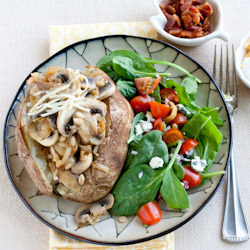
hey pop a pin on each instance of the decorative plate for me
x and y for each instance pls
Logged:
(58, 213)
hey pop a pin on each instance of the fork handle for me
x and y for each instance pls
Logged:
(235, 226)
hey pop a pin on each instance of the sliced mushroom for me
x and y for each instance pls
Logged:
(88, 126)
(172, 114)
(64, 120)
(89, 213)
(70, 162)
(63, 75)
(84, 163)
(94, 104)
(66, 148)
(52, 121)
(41, 132)
(70, 180)
(98, 138)
(107, 90)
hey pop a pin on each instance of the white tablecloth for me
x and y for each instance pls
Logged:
(24, 43)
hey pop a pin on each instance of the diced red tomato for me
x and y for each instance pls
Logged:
(158, 125)
(150, 213)
(140, 103)
(159, 110)
(170, 94)
(192, 177)
(146, 85)
(172, 135)
(187, 145)
(180, 120)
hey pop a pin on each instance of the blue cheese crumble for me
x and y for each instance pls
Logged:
(142, 127)
(182, 109)
(156, 162)
(198, 164)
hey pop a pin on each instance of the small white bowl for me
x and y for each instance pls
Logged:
(239, 55)
(217, 31)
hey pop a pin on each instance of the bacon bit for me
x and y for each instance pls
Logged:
(187, 18)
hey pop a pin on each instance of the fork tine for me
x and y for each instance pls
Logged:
(215, 60)
(234, 81)
(221, 70)
(227, 72)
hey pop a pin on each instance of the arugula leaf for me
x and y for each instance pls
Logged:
(127, 88)
(188, 102)
(156, 94)
(207, 134)
(132, 135)
(213, 112)
(131, 192)
(173, 192)
(149, 146)
(184, 98)
(191, 87)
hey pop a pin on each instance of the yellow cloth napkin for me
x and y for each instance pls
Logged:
(60, 37)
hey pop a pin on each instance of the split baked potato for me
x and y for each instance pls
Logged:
(72, 132)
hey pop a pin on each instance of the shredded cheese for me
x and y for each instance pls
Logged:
(69, 94)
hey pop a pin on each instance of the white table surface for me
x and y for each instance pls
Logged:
(24, 43)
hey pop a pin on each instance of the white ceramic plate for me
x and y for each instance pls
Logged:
(58, 213)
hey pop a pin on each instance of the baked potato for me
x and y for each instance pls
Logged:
(72, 132)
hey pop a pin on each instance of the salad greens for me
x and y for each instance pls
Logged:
(149, 146)
(156, 94)
(131, 192)
(178, 170)
(207, 134)
(186, 92)
(130, 65)
(132, 135)
(127, 88)
(140, 182)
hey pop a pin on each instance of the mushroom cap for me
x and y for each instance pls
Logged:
(41, 132)
(63, 119)
(89, 213)
(83, 164)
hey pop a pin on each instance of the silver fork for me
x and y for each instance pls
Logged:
(235, 227)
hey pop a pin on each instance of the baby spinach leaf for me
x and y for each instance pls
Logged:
(132, 135)
(178, 170)
(173, 192)
(127, 88)
(129, 68)
(106, 63)
(156, 94)
(207, 134)
(149, 146)
(136, 187)
(134, 66)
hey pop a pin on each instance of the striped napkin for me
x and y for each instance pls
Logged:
(60, 37)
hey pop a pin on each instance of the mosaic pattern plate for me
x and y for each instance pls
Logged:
(59, 213)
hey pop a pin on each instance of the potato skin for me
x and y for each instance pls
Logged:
(25, 156)
(112, 153)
